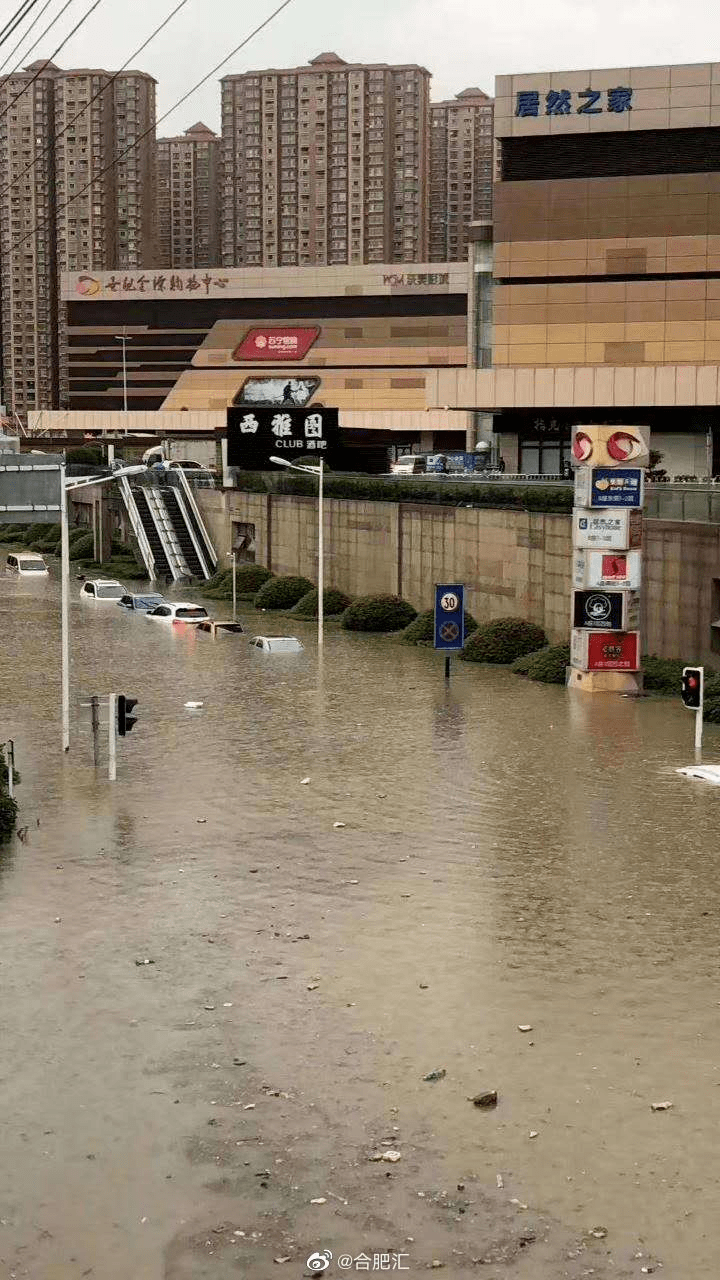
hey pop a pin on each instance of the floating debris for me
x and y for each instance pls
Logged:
(439, 1074)
(660, 1106)
(488, 1098)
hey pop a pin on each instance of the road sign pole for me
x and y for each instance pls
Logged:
(64, 613)
(95, 722)
(10, 762)
(698, 734)
(447, 666)
(112, 717)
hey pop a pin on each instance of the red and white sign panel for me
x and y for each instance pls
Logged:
(276, 344)
(605, 650)
(606, 569)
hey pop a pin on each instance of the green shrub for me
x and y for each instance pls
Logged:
(282, 593)
(546, 665)
(422, 630)
(378, 613)
(503, 640)
(85, 455)
(250, 578)
(79, 531)
(8, 816)
(82, 548)
(712, 686)
(334, 602)
(712, 710)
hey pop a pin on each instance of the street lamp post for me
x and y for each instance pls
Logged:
(123, 338)
(233, 555)
(67, 487)
(318, 471)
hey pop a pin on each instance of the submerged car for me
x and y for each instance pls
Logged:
(214, 626)
(26, 564)
(106, 590)
(177, 611)
(277, 644)
(141, 602)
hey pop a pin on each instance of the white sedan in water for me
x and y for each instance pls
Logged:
(106, 590)
(177, 611)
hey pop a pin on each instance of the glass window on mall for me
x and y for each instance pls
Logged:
(544, 457)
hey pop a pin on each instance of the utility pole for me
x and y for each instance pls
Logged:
(95, 721)
(112, 717)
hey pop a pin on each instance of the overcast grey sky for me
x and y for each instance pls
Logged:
(460, 42)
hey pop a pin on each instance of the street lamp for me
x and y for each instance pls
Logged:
(314, 471)
(67, 487)
(233, 555)
(121, 337)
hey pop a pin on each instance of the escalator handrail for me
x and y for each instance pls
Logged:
(195, 511)
(138, 528)
(180, 500)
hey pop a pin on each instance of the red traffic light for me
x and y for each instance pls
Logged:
(691, 690)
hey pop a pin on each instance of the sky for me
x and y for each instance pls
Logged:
(461, 43)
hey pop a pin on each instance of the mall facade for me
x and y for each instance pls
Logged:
(606, 266)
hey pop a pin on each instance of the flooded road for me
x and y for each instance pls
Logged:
(511, 856)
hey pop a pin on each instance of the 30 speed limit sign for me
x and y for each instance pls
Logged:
(449, 602)
(449, 617)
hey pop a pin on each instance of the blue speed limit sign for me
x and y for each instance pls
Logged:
(449, 616)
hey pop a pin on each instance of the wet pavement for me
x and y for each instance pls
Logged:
(511, 856)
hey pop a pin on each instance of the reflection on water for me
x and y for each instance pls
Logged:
(532, 852)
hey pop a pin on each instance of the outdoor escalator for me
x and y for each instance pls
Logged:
(180, 523)
(162, 564)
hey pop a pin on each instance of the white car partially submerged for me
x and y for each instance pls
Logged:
(103, 590)
(178, 611)
(277, 644)
(26, 564)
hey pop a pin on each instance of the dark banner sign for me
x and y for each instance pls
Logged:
(255, 435)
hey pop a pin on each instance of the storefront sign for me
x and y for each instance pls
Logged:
(605, 650)
(607, 610)
(609, 487)
(606, 569)
(278, 344)
(409, 280)
(566, 102)
(616, 531)
(610, 446)
(255, 435)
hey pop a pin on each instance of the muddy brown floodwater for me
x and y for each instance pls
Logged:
(511, 856)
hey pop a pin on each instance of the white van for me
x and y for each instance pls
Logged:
(26, 564)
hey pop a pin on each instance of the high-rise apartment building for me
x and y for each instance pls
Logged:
(188, 199)
(325, 163)
(69, 200)
(461, 151)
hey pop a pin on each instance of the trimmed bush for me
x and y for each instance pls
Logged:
(422, 630)
(250, 578)
(378, 613)
(712, 710)
(712, 686)
(503, 640)
(85, 455)
(79, 531)
(282, 593)
(8, 807)
(334, 602)
(82, 548)
(546, 665)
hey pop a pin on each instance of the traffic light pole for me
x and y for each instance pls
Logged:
(112, 718)
(698, 734)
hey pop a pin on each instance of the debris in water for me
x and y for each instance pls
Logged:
(439, 1074)
(201, 820)
(304, 782)
(533, 1133)
(313, 986)
(249, 1106)
(599, 1233)
(660, 1106)
(423, 986)
(524, 1026)
(319, 1200)
(209, 1007)
(519, 1203)
(499, 1181)
(486, 1099)
(390, 1157)
(140, 963)
(338, 825)
(193, 706)
(281, 1260)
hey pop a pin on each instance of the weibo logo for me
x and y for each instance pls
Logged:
(88, 287)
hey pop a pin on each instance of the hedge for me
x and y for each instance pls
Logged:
(503, 640)
(334, 602)
(712, 710)
(437, 492)
(422, 630)
(282, 593)
(8, 806)
(249, 579)
(82, 548)
(546, 665)
(378, 613)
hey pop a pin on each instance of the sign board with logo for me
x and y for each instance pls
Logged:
(610, 446)
(616, 569)
(611, 531)
(605, 650)
(255, 435)
(607, 610)
(277, 344)
(449, 617)
(609, 487)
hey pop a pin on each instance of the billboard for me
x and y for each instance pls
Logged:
(606, 569)
(610, 531)
(605, 650)
(604, 446)
(255, 435)
(607, 487)
(607, 610)
(277, 343)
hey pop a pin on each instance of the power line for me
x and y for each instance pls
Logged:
(14, 22)
(25, 35)
(54, 54)
(121, 155)
(103, 89)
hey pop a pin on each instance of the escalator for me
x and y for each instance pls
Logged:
(169, 529)
(183, 530)
(161, 562)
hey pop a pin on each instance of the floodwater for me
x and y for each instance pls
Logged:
(511, 855)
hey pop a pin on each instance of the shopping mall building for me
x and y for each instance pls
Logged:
(606, 272)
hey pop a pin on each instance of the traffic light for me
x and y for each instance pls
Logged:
(125, 721)
(692, 687)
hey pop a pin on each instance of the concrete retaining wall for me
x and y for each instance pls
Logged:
(512, 562)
